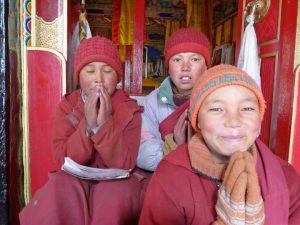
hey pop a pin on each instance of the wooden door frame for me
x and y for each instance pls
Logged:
(282, 114)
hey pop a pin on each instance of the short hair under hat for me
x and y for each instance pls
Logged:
(187, 40)
(217, 77)
(97, 49)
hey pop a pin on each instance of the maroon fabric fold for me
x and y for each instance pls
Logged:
(175, 176)
(68, 200)
(273, 185)
(167, 125)
(116, 142)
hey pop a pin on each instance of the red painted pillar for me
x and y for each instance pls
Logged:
(46, 68)
(294, 157)
(138, 45)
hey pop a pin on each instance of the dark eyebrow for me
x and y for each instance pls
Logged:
(250, 99)
(213, 101)
(90, 64)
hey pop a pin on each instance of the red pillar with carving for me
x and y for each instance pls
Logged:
(46, 75)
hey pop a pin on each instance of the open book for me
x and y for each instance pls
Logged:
(91, 173)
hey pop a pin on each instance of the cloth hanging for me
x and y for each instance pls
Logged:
(76, 39)
(196, 15)
(126, 22)
(122, 25)
(248, 58)
(84, 28)
(117, 6)
(171, 27)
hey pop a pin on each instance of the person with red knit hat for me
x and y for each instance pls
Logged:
(164, 120)
(96, 126)
(224, 175)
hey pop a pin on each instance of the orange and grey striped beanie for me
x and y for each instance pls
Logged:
(217, 77)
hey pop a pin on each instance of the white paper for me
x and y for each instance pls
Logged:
(91, 173)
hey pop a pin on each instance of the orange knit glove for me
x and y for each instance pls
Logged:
(239, 199)
(231, 195)
(255, 213)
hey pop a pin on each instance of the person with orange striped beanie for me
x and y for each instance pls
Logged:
(224, 175)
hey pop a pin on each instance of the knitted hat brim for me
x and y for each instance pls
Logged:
(188, 47)
(198, 98)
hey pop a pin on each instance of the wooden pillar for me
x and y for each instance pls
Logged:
(4, 81)
(294, 152)
(138, 45)
(45, 73)
(126, 80)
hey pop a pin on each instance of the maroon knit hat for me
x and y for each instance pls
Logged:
(97, 49)
(187, 40)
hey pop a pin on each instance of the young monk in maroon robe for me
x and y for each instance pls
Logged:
(96, 126)
(224, 175)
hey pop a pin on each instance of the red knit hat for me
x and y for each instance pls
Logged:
(217, 77)
(187, 40)
(97, 49)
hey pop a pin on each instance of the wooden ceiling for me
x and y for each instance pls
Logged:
(99, 15)
(156, 9)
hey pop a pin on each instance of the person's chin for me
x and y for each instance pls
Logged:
(185, 88)
(185, 83)
(232, 148)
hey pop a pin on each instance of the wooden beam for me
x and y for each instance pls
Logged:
(138, 45)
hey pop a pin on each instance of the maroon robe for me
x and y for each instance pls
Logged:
(115, 145)
(66, 199)
(167, 125)
(177, 195)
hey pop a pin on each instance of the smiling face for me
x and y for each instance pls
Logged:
(185, 69)
(229, 120)
(95, 73)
